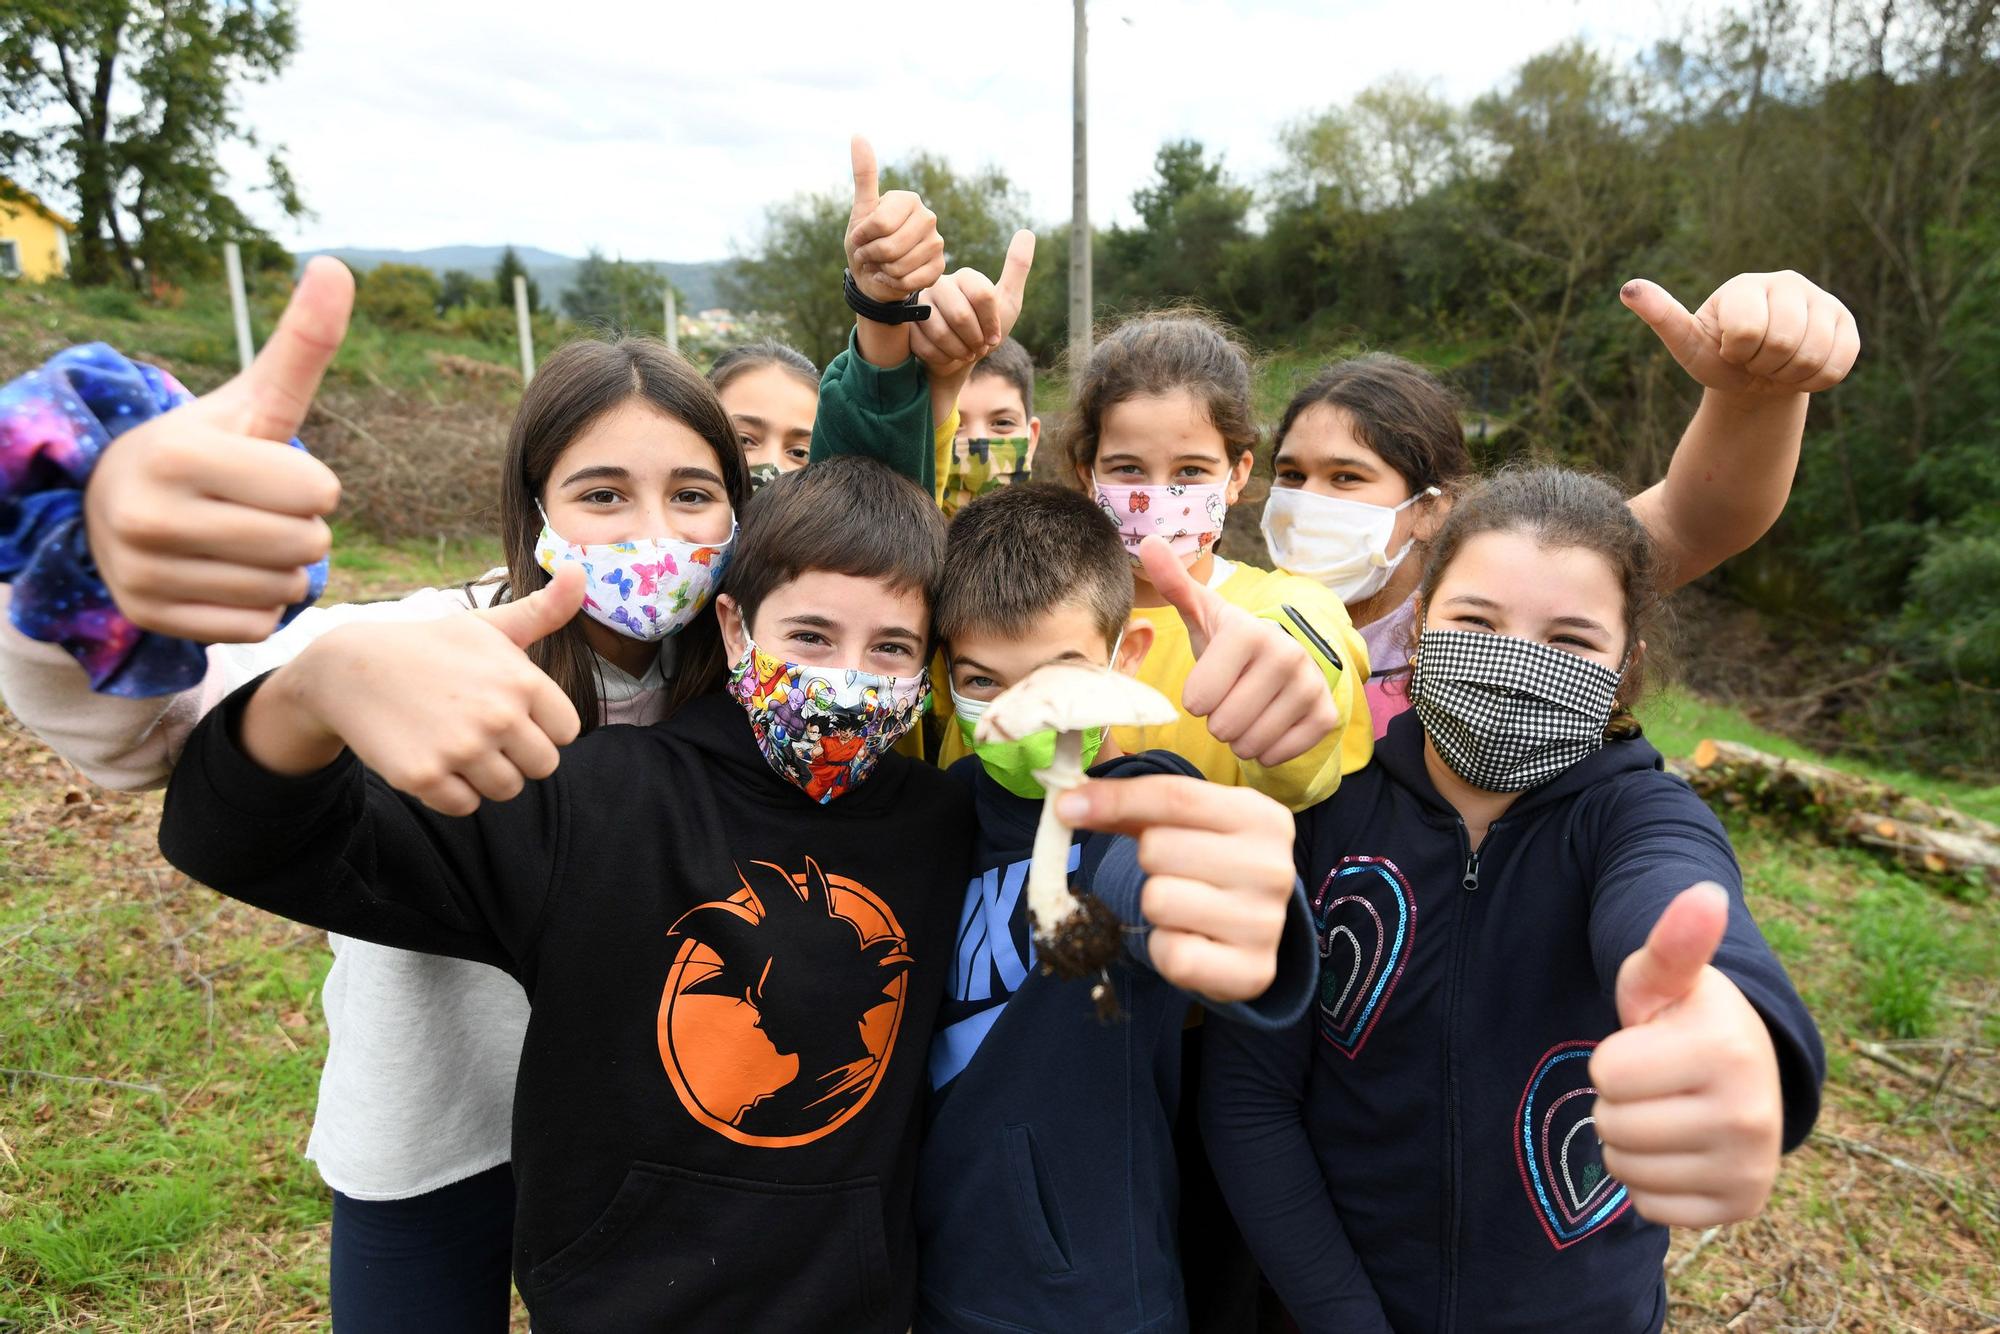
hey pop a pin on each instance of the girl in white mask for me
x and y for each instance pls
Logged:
(1369, 453)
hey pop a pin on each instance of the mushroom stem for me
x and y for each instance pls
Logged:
(1049, 899)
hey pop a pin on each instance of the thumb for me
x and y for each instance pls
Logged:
(1171, 580)
(1665, 969)
(867, 187)
(1669, 320)
(1014, 273)
(276, 389)
(543, 612)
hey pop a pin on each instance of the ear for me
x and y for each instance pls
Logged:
(1034, 435)
(1431, 513)
(1138, 642)
(1632, 672)
(1239, 476)
(735, 634)
(1086, 479)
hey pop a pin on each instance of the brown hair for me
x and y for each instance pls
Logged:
(742, 360)
(576, 386)
(1399, 409)
(1560, 507)
(845, 515)
(1011, 362)
(1180, 349)
(1015, 554)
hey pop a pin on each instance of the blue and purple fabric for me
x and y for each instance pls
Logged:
(55, 422)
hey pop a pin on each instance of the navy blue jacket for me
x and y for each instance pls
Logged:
(1417, 1152)
(1047, 1192)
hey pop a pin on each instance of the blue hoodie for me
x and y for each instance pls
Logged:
(1416, 1153)
(1047, 1192)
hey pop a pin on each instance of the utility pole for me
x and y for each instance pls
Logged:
(1079, 218)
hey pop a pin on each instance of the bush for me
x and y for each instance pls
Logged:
(398, 296)
(115, 302)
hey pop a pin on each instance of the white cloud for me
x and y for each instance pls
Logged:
(661, 130)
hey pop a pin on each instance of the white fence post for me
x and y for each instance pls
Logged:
(527, 330)
(673, 322)
(232, 264)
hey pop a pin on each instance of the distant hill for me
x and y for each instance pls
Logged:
(552, 273)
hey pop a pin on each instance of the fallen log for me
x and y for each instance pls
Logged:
(1842, 807)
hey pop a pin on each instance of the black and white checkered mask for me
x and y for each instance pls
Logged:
(1509, 714)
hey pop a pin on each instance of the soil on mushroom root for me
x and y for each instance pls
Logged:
(1082, 944)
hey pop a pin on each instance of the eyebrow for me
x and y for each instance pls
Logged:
(810, 621)
(603, 470)
(1581, 623)
(745, 419)
(1472, 600)
(1195, 457)
(898, 632)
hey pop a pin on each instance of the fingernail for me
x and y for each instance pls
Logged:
(1072, 807)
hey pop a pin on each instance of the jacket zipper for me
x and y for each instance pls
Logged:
(1448, 1293)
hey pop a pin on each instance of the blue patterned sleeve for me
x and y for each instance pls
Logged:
(55, 423)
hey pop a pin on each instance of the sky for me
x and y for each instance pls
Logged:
(661, 130)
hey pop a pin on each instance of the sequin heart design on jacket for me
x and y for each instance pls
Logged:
(1557, 1149)
(1365, 915)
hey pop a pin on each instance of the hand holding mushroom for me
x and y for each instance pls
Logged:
(1261, 694)
(1074, 937)
(1219, 876)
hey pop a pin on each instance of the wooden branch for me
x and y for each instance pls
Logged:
(15, 1072)
(1932, 1080)
(1948, 1188)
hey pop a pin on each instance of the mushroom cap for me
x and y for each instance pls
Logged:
(1070, 697)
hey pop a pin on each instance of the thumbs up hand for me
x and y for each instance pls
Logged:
(1689, 1105)
(1260, 691)
(971, 314)
(893, 245)
(204, 520)
(1759, 333)
(451, 711)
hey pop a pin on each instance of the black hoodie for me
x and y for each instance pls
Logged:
(1416, 1153)
(733, 989)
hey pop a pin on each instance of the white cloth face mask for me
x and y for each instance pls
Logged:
(1343, 544)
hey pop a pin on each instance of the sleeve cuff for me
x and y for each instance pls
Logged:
(247, 788)
(878, 389)
(1291, 991)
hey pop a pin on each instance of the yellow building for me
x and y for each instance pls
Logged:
(34, 243)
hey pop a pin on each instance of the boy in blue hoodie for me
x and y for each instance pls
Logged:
(1047, 1189)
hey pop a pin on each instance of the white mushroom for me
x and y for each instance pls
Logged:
(1075, 937)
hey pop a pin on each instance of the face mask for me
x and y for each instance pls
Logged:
(761, 474)
(1188, 516)
(1343, 544)
(980, 464)
(644, 590)
(1014, 764)
(823, 728)
(1509, 714)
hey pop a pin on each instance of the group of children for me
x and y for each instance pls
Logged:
(730, 1016)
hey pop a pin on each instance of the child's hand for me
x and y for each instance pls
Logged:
(1262, 694)
(450, 711)
(1760, 333)
(1219, 875)
(971, 314)
(893, 246)
(1689, 1105)
(203, 521)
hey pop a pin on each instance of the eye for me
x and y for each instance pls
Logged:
(693, 495)
(1469, 618)
(1572, 641)
(1288, 476)
(1003, 425)
(811, 637)
(603, 495)
(799, 453)
(747, 440)
(975, 681)
(1344, 478)
(1193, 470)
(895, 648)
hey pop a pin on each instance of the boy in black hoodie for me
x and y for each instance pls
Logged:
(733, 982)
(1047, 1191)
(1546, 1023)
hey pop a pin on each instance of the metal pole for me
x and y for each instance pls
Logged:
(527, 331)
(1079, 218)
(232, 264)
(673, 322)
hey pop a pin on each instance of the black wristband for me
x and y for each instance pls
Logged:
(906, 311)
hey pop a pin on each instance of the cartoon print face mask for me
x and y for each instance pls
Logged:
(1509, 714)
(822, 729)
(644, 590)
(1188, 516)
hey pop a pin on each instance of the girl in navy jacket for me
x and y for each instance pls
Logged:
(1546, 1024)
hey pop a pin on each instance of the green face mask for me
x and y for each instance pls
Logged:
(1013, 764)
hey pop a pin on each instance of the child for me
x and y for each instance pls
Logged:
(1047, 1189)
(1369, 453)
(714, 1126)
(771, 393)
(998, 430)
(1532, 1036)
(411, 1127)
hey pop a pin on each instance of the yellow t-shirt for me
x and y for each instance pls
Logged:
(941, 443)
(1310, 614)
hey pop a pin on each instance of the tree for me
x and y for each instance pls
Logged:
(398, 296)
(504, 273)
(459, 288)
(1193, 218)
(147, 182)
(792, 269)
(617, 294)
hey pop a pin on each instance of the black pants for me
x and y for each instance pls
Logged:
(440, 1263)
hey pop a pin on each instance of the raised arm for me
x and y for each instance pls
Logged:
(1758, 347)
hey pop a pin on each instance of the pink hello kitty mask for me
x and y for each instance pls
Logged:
(1188, 516)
